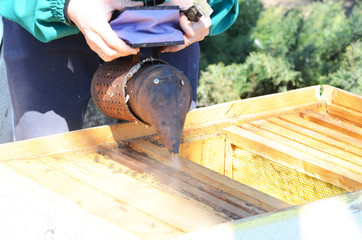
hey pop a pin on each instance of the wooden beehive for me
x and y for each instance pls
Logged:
(238, 159)
(297, 146)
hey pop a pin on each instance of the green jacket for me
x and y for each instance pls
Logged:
(45, 18)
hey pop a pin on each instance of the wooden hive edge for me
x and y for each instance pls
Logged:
(255, 105)
(333, 95)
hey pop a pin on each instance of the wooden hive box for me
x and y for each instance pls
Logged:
(238, 160)
(297, 146)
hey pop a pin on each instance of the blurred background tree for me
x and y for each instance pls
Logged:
(277, 49)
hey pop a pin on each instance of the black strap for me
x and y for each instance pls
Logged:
(65, 11)
(192, 14)
(154, 2)
(1, 37)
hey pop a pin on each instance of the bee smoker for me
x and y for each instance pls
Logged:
(150, 91)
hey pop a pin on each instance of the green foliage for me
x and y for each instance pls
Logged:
(276, 31)
(266, 74)
(278, 49)
(356, 21)
(349, 75)
(259, 74)
(324, 35)
(217, 84)
(235, 44)
(326, 28)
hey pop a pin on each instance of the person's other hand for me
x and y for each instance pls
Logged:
(193, 32)
(92, 18)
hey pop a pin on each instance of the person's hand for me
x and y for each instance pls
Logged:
(193, 31)
(92, 18)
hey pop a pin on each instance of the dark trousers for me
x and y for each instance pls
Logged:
(49, 83)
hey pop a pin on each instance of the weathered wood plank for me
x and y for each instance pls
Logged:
(320, 147)
(249, 195)
(228, 158)
(222, 112)
(94, 201)
(348, 115)
(162, 205)
(333, 123)
(33, 212)
(181, 182)
(323, 130)
(332, 142)
(86, 139)
(208, 152)
(295, 159)
(343, 98)
(194, 133)
(327, 159)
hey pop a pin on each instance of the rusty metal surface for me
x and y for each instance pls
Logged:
(108, 89)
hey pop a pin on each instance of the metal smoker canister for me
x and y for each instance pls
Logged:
(150, 91)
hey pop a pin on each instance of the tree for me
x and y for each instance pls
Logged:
(277, 49)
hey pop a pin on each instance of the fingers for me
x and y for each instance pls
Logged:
(105, 41)
(194, 29)
(193, 32)
(93, 23)
(111, 46)
(176, 48)
(108, 47)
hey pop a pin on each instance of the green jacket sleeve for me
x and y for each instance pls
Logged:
(42, 18)
(224, 15)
